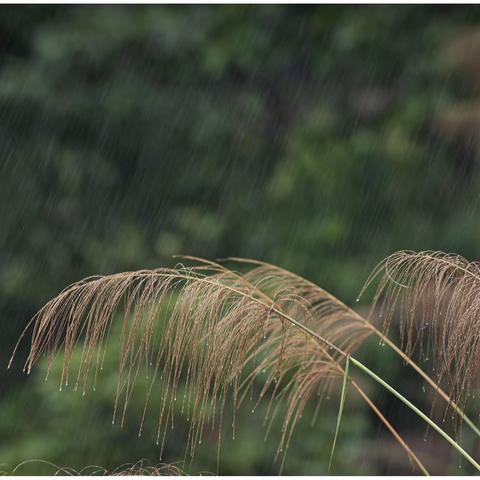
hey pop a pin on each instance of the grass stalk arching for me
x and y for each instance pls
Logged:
(416, 410)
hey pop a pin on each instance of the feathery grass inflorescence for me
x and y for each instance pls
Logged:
(218, 335)
(339, 323)
(357, 324)
(140, 468)
(437, 299)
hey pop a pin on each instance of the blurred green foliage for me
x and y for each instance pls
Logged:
(319, 138)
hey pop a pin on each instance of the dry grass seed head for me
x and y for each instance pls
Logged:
(437, 299)
(223, 332)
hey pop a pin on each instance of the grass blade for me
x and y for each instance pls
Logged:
(340, 408)
(417, 411)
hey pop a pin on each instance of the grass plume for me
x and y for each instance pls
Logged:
(140, 468)
(222, 332)
(360, 327)
(437, 298)
(219, 337)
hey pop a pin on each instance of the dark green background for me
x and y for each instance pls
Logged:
(319, 138)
